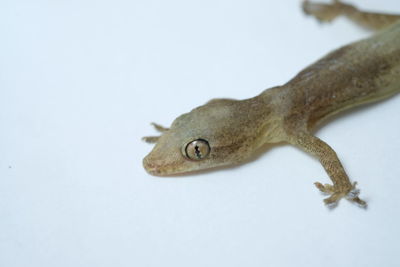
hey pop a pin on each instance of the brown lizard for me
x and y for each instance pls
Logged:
(226, 131)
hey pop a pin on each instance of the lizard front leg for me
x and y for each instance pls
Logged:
(342, 187)
(328, 12)
(154, 139)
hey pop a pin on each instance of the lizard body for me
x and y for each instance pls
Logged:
(226, 131)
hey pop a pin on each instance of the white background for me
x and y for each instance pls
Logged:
(80, 81)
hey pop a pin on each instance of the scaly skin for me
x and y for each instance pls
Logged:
(361, 72)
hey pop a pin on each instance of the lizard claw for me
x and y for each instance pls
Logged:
(353, 196)
(151, 139)
(323, 12)
(159, 128)
(154, 139)
(337, 194)
(326, 189)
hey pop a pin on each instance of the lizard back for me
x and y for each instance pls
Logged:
(362, 72)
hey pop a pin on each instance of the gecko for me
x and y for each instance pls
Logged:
(225, 132)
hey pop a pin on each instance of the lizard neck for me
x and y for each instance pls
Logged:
(272, 100)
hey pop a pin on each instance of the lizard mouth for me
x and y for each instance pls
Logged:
(159, 167)
(170, 165)
(151, 168)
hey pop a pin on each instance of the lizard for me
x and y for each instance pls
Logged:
(226, 132)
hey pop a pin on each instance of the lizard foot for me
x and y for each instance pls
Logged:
(154, 139)
(325, 12)
(151, 139)
(159, 128)
(336, 194)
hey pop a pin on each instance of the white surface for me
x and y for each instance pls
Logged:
(81, 80)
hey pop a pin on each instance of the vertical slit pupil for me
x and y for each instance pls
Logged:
(197, 151)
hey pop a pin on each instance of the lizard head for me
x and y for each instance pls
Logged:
(221, 132)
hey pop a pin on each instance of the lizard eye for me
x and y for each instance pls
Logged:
(197, 149)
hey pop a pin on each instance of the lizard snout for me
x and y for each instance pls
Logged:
(150, 166)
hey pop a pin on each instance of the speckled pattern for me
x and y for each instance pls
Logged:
(361, 72)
